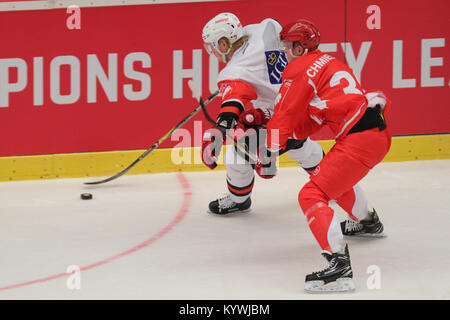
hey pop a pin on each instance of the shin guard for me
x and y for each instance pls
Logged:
(322, 220)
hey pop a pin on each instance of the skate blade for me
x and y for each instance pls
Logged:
(342, 285)
(232, 213)
(367, 236)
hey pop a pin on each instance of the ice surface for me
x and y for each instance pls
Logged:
(147, 237)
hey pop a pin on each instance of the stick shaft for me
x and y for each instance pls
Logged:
(239, 146)
(156, 145)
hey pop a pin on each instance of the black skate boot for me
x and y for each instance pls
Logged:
(225, 205)
(369, 227)
(337, 277)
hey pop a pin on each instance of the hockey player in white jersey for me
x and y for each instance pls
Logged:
(248, 84)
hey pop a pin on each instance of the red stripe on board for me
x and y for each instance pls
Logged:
(181, 214)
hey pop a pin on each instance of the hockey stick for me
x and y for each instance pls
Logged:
(156, 145)
(238, 145)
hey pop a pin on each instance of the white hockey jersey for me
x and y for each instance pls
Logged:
(259, 63)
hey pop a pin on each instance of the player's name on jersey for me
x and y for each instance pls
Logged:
(318, 64)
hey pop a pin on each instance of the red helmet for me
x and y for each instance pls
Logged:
(302, 31)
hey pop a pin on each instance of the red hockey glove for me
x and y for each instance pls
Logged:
(213, 140)
(254, 117)
(267, 167)
(266, 171)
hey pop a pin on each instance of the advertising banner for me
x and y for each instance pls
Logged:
(115, 78)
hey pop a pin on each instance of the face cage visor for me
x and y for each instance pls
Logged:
(209, 48)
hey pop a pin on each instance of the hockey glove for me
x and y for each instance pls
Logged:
(227, 120)
(267, 167)
(254, 118)
(213, 140)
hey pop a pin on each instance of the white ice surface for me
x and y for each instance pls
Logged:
(264, 254)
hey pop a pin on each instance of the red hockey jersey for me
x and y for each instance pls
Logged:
(317, 90)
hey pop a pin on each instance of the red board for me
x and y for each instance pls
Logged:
(47, 106)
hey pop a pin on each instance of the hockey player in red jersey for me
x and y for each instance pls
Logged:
(248, 84)
(319, 90)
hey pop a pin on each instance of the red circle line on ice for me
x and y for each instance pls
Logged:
(187, 195)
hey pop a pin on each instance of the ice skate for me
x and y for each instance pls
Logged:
(369, 227)
(225, 205)
(337, 277)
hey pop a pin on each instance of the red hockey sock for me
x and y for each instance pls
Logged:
(321, 218)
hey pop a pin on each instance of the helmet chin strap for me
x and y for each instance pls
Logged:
(224, 54)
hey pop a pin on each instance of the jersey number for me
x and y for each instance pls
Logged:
(351, 88)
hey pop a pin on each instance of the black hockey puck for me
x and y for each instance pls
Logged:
(86, 196)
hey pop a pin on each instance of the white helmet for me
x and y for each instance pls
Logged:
(223, 25)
